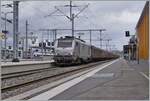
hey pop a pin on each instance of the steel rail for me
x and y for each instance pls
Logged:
(87, 66)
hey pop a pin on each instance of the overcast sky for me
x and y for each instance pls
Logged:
(115, 16)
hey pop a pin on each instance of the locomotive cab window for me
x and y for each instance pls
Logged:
(64, 43)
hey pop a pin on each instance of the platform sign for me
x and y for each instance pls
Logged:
(2, 36)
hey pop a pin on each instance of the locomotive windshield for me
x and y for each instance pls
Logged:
(64, 43)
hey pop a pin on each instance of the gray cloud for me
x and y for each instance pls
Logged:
(115, 16)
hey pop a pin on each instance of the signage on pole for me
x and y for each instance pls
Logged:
(2, 36)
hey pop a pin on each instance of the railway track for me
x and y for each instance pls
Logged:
(12, 90)
(13, 75)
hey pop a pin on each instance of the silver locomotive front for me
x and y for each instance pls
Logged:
(64, 50)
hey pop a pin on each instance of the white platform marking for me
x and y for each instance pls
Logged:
(59, 89)
(144, 75)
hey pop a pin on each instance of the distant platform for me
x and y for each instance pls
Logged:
(14, 67)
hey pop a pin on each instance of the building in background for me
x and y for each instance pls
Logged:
(129, 50)
(142, 33)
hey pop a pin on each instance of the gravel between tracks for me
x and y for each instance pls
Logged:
(33, 77)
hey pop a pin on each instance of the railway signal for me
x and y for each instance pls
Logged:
(127, 33)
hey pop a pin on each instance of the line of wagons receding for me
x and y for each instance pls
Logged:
(71, 50)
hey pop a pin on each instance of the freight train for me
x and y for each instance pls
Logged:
(71, 50)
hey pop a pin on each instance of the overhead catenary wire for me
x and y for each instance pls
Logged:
(72, 14)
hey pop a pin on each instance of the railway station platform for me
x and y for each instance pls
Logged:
(15, 67)
(120, 80)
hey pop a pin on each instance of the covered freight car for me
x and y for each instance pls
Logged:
(100, 54)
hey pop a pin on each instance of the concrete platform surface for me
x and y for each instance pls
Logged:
(117, 81)
(24, 63)
(15, 67)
